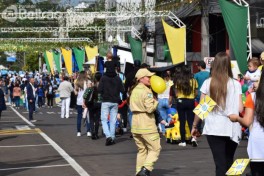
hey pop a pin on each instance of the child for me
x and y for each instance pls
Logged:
(40, 93)
(253, 73)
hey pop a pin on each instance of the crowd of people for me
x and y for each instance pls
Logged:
(114, 96)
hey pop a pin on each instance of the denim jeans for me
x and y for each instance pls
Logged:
(162, 108)
(106, 109)
(17, 101)
(79, 119)
(129, 117)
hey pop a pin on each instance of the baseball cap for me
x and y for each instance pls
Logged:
(143, 72)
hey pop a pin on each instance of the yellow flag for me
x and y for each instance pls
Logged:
(50, 60)
(238, 167)
(205, 106)
(176, 38)
(91, 54)
(67, 55)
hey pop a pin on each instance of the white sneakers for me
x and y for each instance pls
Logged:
(182, 144)
(89, 134)
(194, 142)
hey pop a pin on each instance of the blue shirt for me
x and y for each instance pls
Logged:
(201, 77)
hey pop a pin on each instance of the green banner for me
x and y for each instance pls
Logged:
(103, 49)
(235, 18)
(166, 52)
(136, 48)
(47, 61)
(80, 57)
(57, 60)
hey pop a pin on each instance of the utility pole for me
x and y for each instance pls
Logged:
(144, 39)
(205, 45)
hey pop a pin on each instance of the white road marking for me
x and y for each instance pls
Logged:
(22, 127)
(51, 113)
(36, 167)
(23, 118)
(17, 146)
(69, 159)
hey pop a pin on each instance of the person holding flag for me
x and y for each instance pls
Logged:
(222, 134)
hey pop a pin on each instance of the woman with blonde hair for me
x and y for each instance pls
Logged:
(80, 85)
(222, 134)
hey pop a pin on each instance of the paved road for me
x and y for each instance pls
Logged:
(50, 147)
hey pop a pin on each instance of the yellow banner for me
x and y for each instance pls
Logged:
(91, 52)
(50, 60)
(176, 38)
(67, 55)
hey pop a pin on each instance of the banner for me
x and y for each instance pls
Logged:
(235, 18)
(47, 62)
(136, 48)
(50, 60)
(74, 64)
(80, 57)
(91, 52)
(57, 60)
(176, 38)
(103, 49)
(67, 55)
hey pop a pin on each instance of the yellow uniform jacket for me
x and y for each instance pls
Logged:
(142, 105)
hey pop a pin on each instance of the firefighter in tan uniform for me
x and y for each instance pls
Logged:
(144, 129)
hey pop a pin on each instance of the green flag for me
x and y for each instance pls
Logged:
(57, 60)
(80, 57)
(166, 52)
(235, 18)
(136, 48)
(103, 49)
(47, 61)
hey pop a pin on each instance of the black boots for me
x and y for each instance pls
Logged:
(143, 172)
(95, 136)
(109, 141)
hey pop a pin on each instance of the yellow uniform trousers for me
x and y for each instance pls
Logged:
(148, 150)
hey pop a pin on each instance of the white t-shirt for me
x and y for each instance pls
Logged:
(255, 147)
(80, 94)
(254, 76)
(217, 123)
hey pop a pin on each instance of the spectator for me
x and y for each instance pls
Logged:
(79, 88)
(50, 93)
(254, 118)
(110, 87)
(222, 134)
(65, 90)
(186, 88)
(200, 77)
(2, 99)
(31, 94)
(16, 95)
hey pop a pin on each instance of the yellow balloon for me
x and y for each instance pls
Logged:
(157, 84)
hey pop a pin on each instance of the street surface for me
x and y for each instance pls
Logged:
(50, 147)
